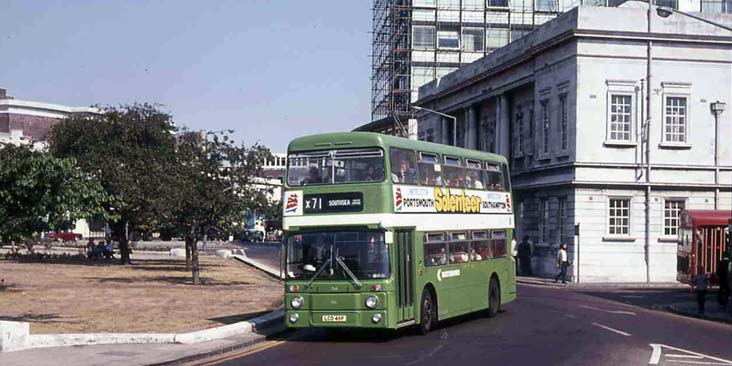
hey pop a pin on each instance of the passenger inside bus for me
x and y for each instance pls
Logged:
(473, 180)
(372, 175)
(313, 176)
(404, 173)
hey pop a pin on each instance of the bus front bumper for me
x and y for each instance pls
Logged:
(336, 319)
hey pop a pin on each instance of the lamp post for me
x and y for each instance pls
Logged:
(665, 12)
(453, 118)
(716, 108)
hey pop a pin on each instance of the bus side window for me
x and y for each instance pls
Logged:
(506, 178)
(459, 248)
(493, 177)
(453, 172)
(498, 243)
(435, 249)
(480, 247)
(474, 174)
(402, 166)
(430, 173)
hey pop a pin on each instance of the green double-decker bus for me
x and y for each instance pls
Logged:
(386, 232)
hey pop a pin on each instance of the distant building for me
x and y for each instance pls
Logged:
(23, 121)
(566, 105)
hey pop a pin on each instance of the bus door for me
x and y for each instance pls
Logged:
(404, 275)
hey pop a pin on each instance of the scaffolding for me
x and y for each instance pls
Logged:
(391, 60)
(459, 32)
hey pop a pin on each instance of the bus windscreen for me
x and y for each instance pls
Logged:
(335, 167)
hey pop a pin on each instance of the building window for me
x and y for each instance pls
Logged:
(545, 126)
(473, 39)
(519, 132)
(473, 4)
(671, 210)
(421, 75)
(716, 6)
(619, 216)
(496, 38)
(547, 5)
(673, 4)
(518, 33)
(520, 5)
(496, 3)
(427, 15)
(620, 117)
(448, 39)
(544, 220)
(562, 220)
(675, 119)
(563, 121)
(450, 4)
(425, 3)
(423, 37)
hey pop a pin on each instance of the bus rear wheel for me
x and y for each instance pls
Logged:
(427, 313)
(494, 298)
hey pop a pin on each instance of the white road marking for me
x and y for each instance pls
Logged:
(684, 356)
(658, 350)
(609, 311)
(611, 329)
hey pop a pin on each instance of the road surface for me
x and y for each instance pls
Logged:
(544, 326)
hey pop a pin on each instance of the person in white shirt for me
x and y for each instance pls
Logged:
(562, 263)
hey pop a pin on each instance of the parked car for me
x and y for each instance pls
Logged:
(67, 236)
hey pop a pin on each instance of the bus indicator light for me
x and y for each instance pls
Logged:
(294, 288)
(376, 287)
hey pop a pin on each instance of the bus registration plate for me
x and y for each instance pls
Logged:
(334, 318)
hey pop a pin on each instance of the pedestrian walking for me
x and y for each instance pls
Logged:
(562, 263)
(699, 284)
(524, 252)
(723, 268)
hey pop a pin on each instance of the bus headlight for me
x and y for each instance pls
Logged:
(371, 301)
(296, 302)
(294, 317)
(376, 318)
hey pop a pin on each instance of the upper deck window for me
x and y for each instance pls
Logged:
(494, 177)
(335, 167)
(453, 172)
(473, 174)
(430, 172)
(402, 166)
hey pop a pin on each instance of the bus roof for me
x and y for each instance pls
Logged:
(708, 217)
(344, 140)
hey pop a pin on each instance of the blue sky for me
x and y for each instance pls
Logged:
(271, 70)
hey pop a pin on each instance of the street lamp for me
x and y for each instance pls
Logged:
(716, 108)
(665, 12)
(453, 118)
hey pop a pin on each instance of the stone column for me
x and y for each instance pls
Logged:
(503, 120)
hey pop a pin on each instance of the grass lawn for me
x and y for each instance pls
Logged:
(152, 295)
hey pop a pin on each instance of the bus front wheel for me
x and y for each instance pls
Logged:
(494, 298)
(427, 313)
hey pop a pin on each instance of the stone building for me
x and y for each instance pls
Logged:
(566, 104)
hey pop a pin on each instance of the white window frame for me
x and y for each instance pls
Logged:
(444, 31)
(676, 90)
(626, 88)
(434, 39)
(630, 122)
(563, 214)
(479, 32)
(665, 139)
(608, 216)
(666, 200)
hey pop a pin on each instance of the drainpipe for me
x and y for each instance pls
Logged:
(649, 89)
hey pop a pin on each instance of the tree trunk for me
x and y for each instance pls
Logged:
(124, 247)
(195, 268)
(189, 244)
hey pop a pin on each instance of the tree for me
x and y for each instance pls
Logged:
(211, 184)
(130, 149)
(40, 193)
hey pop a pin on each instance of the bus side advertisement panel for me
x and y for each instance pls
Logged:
(420, 199)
